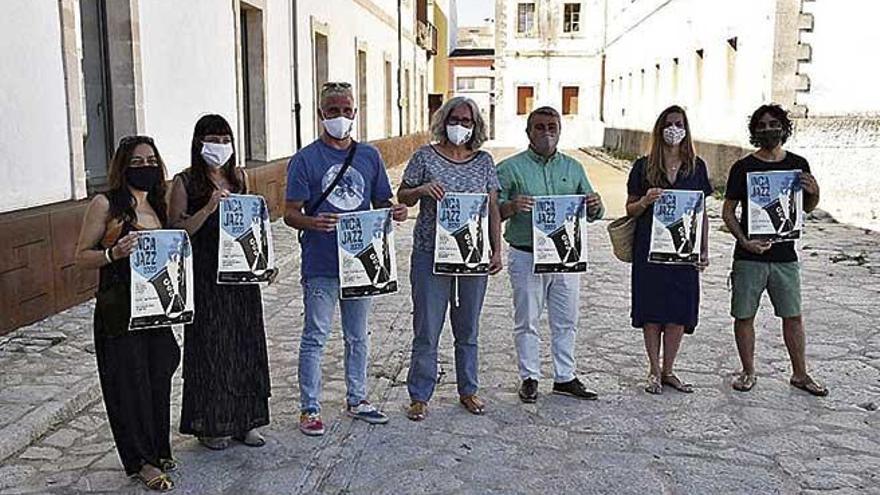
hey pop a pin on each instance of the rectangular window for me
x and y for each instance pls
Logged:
(569, 100)
(525, 18)
(525, 100)
(572, 19)
(474, 83)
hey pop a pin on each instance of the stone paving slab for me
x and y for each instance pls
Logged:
(772, 440)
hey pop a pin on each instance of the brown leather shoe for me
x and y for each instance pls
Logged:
(417, 410)
(473, 404)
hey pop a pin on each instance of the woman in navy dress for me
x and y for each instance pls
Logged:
(665, 298)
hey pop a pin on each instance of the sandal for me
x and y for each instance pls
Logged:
(473, 404)
(654, 386)
(158, 483)
(215, 443)
(676, 383)
(252, 438)
(168, 465)
(744, 382)
(810, 386)
(417, 411)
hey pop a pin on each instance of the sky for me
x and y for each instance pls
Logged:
(473, 12)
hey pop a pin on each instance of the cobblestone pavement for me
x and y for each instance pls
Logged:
(774, 439)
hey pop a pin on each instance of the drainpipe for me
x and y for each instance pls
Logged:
(296, 134)
(400, 66)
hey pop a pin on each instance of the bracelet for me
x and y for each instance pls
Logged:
(108, 254)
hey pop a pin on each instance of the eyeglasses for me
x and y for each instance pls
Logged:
(135, 140)
(336, 85)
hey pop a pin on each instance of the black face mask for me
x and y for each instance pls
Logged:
(143, 178)
(769, 138)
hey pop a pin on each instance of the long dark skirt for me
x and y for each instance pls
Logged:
(226, 384)
(135, 371)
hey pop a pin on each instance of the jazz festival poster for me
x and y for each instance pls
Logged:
(367, 257)
(776, 205)
(462, 238)
(245, 254)
(559, 234)
(161, 279)
(677, 227)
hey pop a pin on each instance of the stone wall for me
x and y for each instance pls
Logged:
(718, 157)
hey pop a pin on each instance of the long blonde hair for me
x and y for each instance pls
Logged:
(655, 174)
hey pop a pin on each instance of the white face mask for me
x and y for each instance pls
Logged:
(339, 128)
(458, 134)
(674, 135)
(216, 154)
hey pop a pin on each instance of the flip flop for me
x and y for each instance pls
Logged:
(810, 386)
(676, 383)
(417, 411)
(252, 439)
(654, 385)
(744, 382)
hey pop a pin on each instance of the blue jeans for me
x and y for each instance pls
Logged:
(320, 295)
(431, 295)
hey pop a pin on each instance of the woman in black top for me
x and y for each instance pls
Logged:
(225, 361)
(134, 367)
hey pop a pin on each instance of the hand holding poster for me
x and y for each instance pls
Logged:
(367, 258)
(461, 244)
(776, 205)
(245, 254)
(559, 234)
(677, 227)
(161, 279)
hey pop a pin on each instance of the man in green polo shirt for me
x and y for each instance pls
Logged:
(541, 170)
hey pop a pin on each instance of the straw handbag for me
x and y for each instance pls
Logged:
(622, 232)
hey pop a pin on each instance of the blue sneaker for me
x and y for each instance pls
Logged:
(366, 412)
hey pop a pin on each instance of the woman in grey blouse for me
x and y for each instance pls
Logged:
(454, 163)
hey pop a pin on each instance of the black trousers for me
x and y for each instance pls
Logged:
(135, 371)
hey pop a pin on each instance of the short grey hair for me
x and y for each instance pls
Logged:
(545, 110)
(438, 122)
(331, 89)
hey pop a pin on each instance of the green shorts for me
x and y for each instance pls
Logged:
(748, 280)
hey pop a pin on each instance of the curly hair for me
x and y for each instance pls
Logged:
(777, 112)
(438, 122)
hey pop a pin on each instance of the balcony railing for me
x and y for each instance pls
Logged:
(426, 37)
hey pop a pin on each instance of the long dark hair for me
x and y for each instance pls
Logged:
(202, 187)
(122, 202)
(656, 170)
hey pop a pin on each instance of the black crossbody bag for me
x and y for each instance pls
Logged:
(310, 211)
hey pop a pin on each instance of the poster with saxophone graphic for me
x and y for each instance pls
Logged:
(161, 279)
(367, 258)
(462, 240)
(776, 205)
(677, 227)
(245, 254)
(559, 234)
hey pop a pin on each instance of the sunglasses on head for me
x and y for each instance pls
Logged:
(135, 140)
(335, 85)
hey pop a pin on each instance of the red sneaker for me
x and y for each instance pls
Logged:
(310, 424)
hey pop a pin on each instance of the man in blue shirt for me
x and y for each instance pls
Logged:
(364, 184)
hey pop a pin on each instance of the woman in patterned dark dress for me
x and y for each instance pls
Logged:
(134, 367)
(225, 363)
(665, 298)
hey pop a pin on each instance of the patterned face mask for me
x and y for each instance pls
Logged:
(674, 135)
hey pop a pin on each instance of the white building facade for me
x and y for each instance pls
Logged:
(721, 59)
(549, 52)
(80, 74)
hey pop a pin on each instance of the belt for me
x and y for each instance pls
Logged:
(527, 249)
